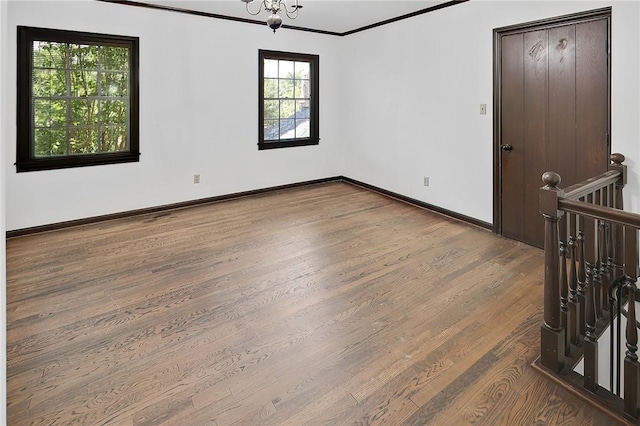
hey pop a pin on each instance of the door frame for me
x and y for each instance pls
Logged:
(498, 33)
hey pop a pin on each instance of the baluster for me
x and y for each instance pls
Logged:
(631, 366)
(596, 199)
(564, 285)
(582, 276)
(605, 279)
(552, 334)
(574, 308)
(612, 346)
(598, 269)
(619, 337)
(616, 294)
(590, 338)
(610, 235)
(608, 247)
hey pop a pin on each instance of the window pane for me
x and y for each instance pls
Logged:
(114, 139)
(84, 83)
(50, 142)
(302, 109)
(271, 130)
(83, 56)
(288, 129)
(84, 112)
(58, 141)
(42, 142)
(286, 88)
(49, 54)
(285, 69)
(271, 68)
(114, 84)
(47, 82)
(49, 113)
(302, 89)
(83, 140)
(271, 88)
(287, 109)
(302, 128)
(114, 58)
(302, 70)
(113, 112)
(271, 110)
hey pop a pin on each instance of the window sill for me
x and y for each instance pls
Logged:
(76, 161)
(287, 144)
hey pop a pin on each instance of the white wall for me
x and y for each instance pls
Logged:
(3, 262)
(198, 114)
(415, 88)
(398, 103)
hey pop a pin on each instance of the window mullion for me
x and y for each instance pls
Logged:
(279, 105)
(67, 65)
(99, 94)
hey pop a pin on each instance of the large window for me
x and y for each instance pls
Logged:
(77, 99)
(288, 99)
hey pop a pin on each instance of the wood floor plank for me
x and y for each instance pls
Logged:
(328, 304)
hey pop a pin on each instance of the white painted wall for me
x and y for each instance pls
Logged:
(3, 260)
(198, 114)
(415, 87)
(398, 103)
(3, 263)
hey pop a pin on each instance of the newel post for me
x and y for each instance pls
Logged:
(552, 335)
(618, 239)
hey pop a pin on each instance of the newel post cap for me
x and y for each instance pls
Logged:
(549, 195)
(551, 180)
(617, 158)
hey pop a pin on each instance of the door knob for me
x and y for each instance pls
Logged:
(507, 147)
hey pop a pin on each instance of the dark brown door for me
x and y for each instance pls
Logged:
(554, 116)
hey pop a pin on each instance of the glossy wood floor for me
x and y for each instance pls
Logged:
(328, 304)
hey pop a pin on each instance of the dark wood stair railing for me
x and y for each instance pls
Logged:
(590, 273)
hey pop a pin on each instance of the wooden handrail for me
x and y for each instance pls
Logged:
(581, 189)
(599, 212)
(617, 174)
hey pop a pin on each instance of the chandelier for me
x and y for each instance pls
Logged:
(274, 7)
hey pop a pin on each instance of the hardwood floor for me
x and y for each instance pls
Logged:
(328, 304)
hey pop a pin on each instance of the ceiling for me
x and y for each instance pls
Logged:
(325, 15)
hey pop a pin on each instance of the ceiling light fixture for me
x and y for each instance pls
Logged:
(274, 7)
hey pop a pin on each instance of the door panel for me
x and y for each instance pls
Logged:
(512, 131)
(562, 103)
(536, 95)
(554, 113)
(592, 98)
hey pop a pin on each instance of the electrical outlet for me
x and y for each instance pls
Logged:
(196, 178)
(426, 181)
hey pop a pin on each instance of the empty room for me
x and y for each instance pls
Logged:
(319, 212)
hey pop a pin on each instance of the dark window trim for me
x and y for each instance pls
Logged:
(314, 132)
(25, 159)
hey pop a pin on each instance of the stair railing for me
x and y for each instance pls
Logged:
(591, 268)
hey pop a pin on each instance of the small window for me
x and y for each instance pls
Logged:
(288, 100)
(77, 99)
